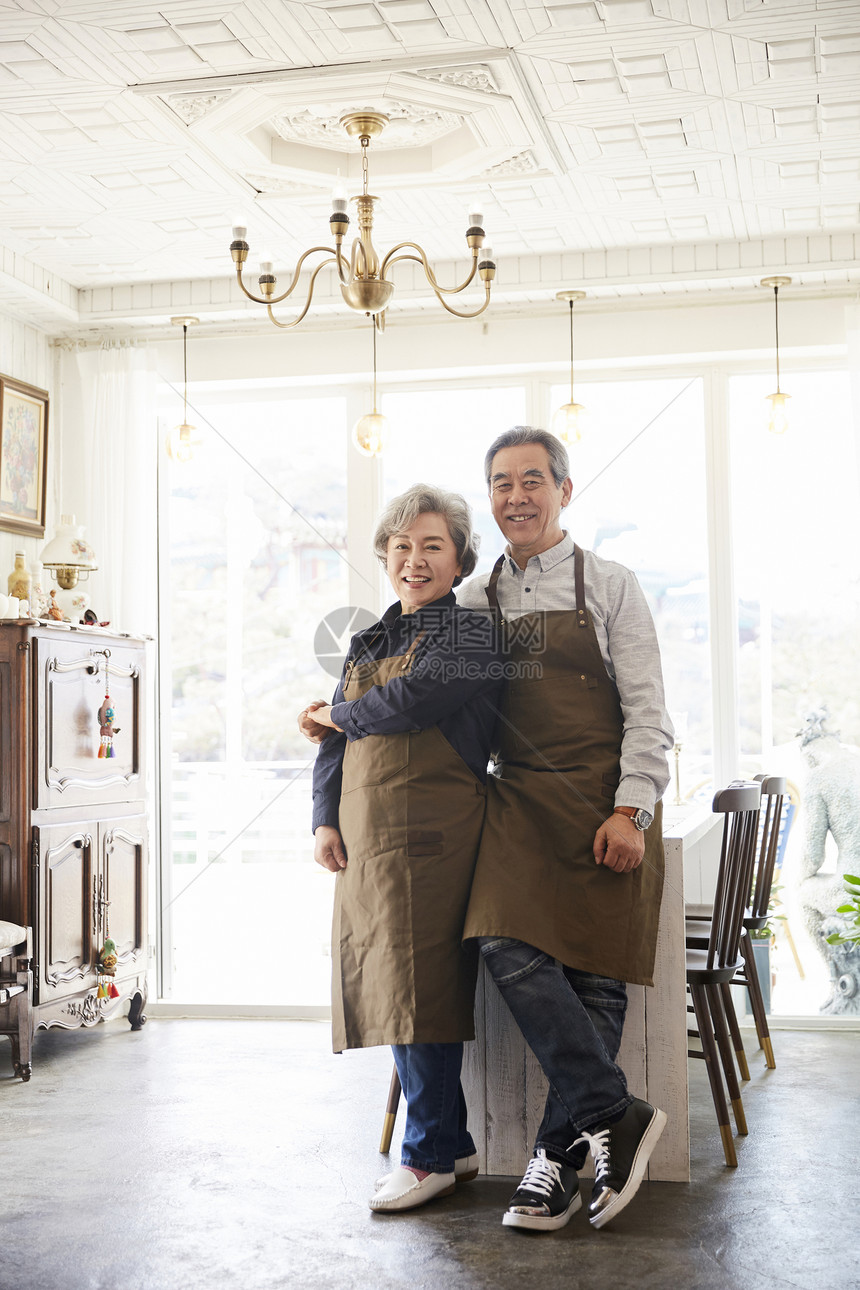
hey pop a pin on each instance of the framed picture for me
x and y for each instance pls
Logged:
(23, 457)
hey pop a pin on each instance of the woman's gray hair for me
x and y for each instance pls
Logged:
(559, 462)
(422, 499)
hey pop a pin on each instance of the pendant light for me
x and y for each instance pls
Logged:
(567, 423)
(778, 423)
(182, 440)
(370, 432)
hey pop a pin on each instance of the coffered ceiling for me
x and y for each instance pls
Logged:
(642, 146)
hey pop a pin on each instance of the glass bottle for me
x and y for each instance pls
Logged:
(20, 580)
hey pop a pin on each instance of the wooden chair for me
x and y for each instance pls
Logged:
(715, 962)
(773, 790)
(16, 994)
(773, 796)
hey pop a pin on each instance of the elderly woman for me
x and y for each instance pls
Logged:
(399, 791)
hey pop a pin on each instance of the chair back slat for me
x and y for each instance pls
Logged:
(773, 790)
(739, 804)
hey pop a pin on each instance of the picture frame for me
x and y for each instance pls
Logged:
(23, 457)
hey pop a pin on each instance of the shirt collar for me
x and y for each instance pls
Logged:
(394, 613)
(546, 559)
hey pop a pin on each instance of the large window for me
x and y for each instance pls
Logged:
(257, 556)
(639, 498)
(796, 509)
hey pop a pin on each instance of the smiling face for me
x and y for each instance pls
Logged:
(422, 562)
(526, 501)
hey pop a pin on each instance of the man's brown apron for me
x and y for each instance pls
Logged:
(411, 812)
(557, 769)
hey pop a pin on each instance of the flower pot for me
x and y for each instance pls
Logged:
(761, 954)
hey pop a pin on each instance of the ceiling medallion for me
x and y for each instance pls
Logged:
(363, 281)
(407, 126)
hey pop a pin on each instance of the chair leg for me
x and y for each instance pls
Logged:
(712, 1062)
(734, 1029)
(756, 999)
(390, 1113)
(721, 1031)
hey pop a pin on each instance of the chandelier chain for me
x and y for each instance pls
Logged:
(364, 170)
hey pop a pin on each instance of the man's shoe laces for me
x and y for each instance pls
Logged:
(541, 1175)
(598, 1145)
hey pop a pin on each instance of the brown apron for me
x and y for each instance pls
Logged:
(557, 769)
(411, 812)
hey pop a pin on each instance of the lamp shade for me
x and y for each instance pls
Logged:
(69, 549)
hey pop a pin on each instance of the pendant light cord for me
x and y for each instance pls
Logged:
(570, 302)
(373, 325)
(776, 330)
(185, 372)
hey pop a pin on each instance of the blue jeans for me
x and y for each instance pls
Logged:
(572, 1021)
(436, 1132)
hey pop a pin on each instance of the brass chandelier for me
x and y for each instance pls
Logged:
(364, 283)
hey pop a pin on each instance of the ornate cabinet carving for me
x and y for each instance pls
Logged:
(73, 835)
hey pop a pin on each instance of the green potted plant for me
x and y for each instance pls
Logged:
(762, 943)
(851, 935)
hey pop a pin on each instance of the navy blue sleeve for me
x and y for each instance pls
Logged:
(328, 774)
(459, 661)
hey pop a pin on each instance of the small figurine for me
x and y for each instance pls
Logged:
(107, 729)
(108, 958)
(55, 611)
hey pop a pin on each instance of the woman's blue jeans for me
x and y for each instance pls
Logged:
(572, 1021)
(436, 1132)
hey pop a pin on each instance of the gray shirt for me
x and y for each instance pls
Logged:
(628, 643)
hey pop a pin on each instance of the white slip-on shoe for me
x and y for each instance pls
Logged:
(402, 1190)
(465, 1169)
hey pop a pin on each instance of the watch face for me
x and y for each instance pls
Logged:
(642, 819)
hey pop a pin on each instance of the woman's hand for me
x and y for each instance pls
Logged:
(310, 728)
(328, 848)
(322, 716)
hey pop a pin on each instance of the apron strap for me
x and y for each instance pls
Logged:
(406, 658)
(579, 586)
(492, 594)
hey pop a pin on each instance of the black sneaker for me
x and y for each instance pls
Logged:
(620, 1151)
(546, 1197)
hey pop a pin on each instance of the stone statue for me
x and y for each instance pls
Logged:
(831, 804)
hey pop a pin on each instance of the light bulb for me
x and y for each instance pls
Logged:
(778, 423)
(568, 422)
(370, 434)
(476, 214)
(339, 196)
(486, 256)
(181, 442)
(240, 228)
(266, 262)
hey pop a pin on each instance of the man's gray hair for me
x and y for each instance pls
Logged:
(559, 462)
(423, 499)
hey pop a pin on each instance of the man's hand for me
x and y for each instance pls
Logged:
(619, 845)
(312, 729)
(328, 848)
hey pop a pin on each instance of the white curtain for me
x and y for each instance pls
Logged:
(116, 495)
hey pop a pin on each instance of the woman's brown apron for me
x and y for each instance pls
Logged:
(557, 769)
(411, 812)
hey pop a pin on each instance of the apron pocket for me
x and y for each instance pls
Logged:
(374, 760)
(424, 842)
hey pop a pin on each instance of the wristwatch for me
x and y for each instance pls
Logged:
(640, 817)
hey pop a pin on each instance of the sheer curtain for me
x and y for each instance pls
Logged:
(117, 481)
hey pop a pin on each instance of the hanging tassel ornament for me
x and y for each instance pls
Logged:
(106, 717)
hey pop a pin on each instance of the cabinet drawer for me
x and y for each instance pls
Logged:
(69, 690)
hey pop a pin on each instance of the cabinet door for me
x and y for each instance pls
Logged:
(70, 689)
(66, 950)
(122, 887)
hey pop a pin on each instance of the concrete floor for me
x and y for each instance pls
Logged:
(208, 1155)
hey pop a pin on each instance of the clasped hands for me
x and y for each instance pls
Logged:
(315, 721)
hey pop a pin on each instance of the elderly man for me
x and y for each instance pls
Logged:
(567, 887)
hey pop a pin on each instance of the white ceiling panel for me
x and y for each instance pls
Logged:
(130, 134)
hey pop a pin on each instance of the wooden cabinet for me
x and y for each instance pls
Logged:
(73, 827)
